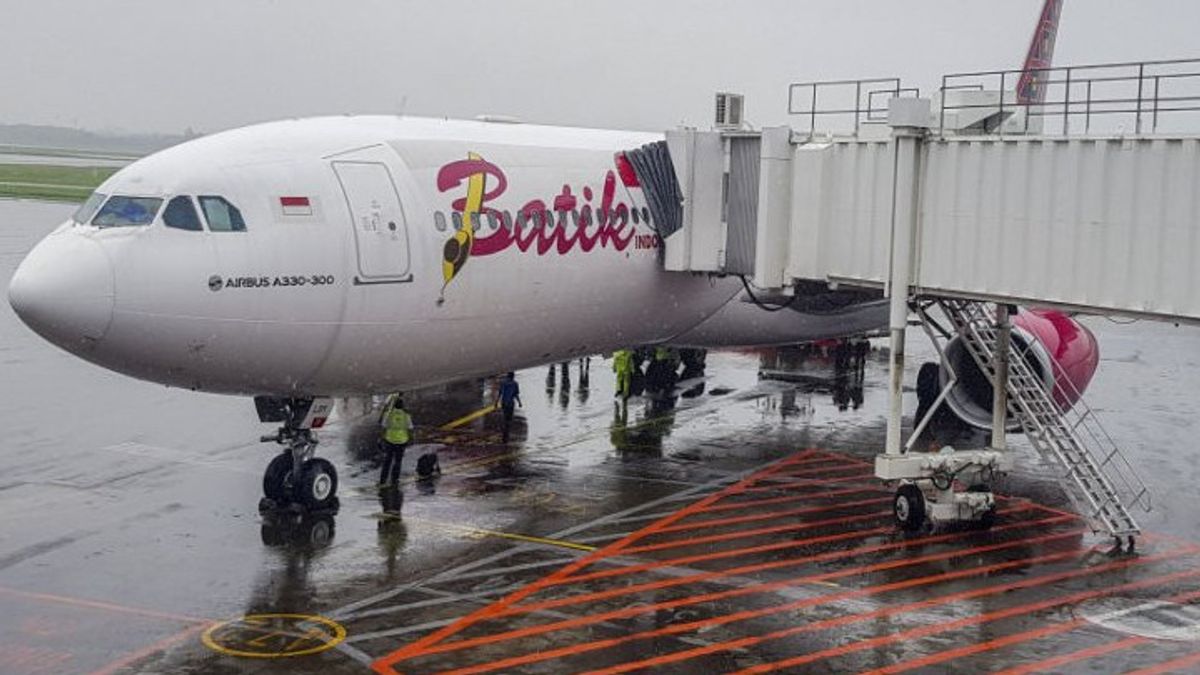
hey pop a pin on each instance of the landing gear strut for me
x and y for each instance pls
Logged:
(295, 476)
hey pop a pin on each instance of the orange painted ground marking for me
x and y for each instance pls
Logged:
(743, 534)
(717, 621)
(1074, 657)
(1182, 664)
(812, 458)
(718, 522)
(809, 482)
(817, 452)
(733, 506)
(1017, 638)
(776, 564)
(384, 664)
(884, 611)
(132, 658)
(107, 606)
(817, 557)
(1017, 610)
(819, 471)
(736, 616)
(510, 605)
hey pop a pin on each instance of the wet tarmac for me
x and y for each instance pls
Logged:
(732, 528)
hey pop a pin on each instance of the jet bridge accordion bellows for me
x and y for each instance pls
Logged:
(656, 173)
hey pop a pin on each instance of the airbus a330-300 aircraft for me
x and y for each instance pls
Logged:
(301, 260)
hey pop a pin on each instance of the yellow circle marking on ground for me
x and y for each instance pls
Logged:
(274, 636)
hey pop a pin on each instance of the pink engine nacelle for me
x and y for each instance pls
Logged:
(1060, 350)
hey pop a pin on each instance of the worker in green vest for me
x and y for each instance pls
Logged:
(623, 367)
(397, 434)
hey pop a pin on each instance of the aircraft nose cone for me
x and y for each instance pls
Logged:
(63, 290)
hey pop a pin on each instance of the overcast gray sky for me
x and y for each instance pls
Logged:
(164, 65)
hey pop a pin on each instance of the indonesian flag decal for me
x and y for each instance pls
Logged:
(295, 206)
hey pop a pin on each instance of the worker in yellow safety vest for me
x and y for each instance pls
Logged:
(397, 434)
(623, 367)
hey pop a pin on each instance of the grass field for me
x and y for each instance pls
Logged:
(57, 183)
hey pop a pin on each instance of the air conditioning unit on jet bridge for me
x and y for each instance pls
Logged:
(729, 111)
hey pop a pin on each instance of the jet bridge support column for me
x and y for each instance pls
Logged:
(910, 119)
(925, 492)
(1000, 385)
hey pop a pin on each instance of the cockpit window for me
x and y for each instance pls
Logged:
(89, 207)
(122, 211)
(181, 215)
(221, 215)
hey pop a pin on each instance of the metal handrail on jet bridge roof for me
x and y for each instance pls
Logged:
(869, 103)
(1141, 92)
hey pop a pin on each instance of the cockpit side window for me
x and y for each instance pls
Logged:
(89, 208)
(221, 215)
(123, 211)
(181, 215)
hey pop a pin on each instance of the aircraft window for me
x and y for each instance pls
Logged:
(645, 215)
(456, 216)
(89, 208)
(122, 211)
(221, 215)
(181, 215)
(492, 222)
(636, 218)
(439, 221)
(506, 220)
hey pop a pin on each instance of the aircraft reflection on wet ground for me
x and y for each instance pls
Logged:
(672, 533)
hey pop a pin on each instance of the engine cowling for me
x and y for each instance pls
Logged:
(1062, 352)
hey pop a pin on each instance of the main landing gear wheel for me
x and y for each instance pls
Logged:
(275, 478)
(909, 507)
(316, 486)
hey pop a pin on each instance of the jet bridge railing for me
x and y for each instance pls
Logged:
(845, 106)
(1133, 98)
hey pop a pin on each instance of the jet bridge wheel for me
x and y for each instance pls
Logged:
(275, 478)
(316, 485)
(909, 507)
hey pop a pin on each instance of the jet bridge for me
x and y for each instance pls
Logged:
(1017, 204)
(1086, 199)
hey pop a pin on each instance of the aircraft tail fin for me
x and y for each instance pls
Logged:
(1031, 88)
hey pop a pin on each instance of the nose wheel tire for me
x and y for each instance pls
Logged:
(316, 487)
(909, 507)
(276, 476)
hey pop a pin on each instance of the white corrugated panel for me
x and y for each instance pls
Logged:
(1109, 224)
(841, 211)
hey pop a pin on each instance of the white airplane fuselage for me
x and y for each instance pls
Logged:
(350, 275)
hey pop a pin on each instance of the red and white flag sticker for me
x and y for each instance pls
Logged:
(295, 206)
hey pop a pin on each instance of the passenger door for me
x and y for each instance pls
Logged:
(380, 229)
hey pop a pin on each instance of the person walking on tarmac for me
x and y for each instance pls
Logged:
(509, 398)
(397, 434)
(623, 367)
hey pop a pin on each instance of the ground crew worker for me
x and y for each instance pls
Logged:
(509, 398)
(623, 367)
(397, 434)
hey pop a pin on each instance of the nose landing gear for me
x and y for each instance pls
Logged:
(295, 476)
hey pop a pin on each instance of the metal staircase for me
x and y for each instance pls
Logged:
(1106, 480)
